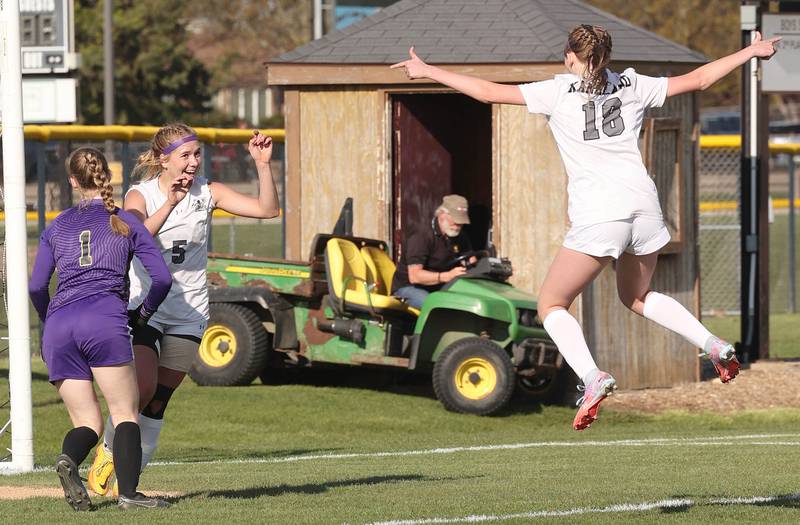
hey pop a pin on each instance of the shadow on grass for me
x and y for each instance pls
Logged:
(789, 501)
(308, 488)
(35, 376)
(399, 382)
(202, 455)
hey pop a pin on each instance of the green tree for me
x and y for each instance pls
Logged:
(708, 26)
(156, 77)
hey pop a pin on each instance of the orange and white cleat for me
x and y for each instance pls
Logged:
(723, 357)
(602, 386)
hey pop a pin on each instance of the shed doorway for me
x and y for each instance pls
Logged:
(441, 144)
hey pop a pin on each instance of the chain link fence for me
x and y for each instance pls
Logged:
(720, 229)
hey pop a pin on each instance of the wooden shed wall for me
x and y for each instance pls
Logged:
(530, 194)
(638, 352)
(342, 155)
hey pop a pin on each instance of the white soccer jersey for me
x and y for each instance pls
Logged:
(183, 240)
(598, 137)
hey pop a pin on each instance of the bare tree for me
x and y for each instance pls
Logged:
(233, 38)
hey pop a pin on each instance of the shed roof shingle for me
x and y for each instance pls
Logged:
(480, 31)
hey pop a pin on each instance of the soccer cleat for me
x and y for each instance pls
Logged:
(602, 386)
(74, 491)
(115, 490)
(100, 473)
(140, 501)
(723, 357)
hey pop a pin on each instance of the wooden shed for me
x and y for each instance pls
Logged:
(355, 128)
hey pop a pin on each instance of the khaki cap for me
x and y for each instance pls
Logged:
(456, 206)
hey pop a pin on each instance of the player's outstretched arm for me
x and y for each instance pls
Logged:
(477, 88)
(706, 76)
(266, 205)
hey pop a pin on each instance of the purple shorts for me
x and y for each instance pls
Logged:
(88, 333)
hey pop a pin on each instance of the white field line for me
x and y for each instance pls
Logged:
(617, 508)
(755, 439)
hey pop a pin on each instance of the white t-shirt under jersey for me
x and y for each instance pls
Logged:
(598, 137)
(183, 240)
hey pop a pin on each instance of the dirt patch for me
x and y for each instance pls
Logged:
(766, 384)
(7, 493)
(23, 492)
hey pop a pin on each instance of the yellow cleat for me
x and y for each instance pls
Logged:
(101, 471)
(115, 490)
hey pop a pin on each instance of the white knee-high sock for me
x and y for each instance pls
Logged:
(671, 314)
(151, 430)
(568, 337)
(108, 437)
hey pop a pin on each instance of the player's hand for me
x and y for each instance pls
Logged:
(135, 319)
(260, 147)
(415, 67)
(764, 49)
(179, 188)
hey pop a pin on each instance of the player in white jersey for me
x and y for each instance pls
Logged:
(595, 116)
(175, 204)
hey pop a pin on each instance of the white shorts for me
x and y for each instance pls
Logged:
(637, 235)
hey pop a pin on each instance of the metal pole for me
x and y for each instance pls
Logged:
(208, 174)
(749, 191)
(42, 183)
(108, 72)
(19, 338)
(317, 19)
(792, 237)
(126, 168)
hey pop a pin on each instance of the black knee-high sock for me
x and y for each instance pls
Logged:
(78, 443)
(127, 457)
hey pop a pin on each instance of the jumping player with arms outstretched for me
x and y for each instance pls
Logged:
(86, 333)
(175, 204)
(595, 115)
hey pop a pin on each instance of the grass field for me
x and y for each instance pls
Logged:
(784, 333)
(320, 452)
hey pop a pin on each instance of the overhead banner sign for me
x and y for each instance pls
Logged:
(782, 71)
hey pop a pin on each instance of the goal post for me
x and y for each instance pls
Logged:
(16, 251)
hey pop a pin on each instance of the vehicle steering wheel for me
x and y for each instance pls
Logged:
(464, 258)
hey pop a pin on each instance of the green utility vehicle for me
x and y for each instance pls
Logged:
(478, 337)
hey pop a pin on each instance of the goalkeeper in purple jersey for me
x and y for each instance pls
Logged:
(86, 323)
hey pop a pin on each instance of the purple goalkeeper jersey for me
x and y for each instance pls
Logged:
(90, 259)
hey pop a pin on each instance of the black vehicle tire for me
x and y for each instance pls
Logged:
(473, 376)
(540, 386)
(234, 348)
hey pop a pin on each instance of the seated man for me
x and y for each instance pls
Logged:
(425, 264)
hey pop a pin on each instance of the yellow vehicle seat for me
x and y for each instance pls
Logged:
(381, 268)
(348, 279)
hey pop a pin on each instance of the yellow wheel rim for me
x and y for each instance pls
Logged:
(218, 346)
(476, 378)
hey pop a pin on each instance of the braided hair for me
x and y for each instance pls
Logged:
(89, 168)
(592, 46)
(148, 165)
